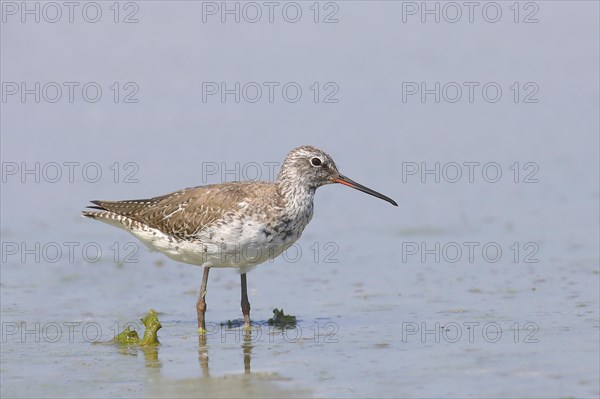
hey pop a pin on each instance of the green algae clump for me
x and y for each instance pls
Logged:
(127, 337)
(282, 320)
(152, 326)
(131, 337)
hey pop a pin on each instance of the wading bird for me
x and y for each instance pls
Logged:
(238, 224)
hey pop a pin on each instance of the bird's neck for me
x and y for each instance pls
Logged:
(298, 197)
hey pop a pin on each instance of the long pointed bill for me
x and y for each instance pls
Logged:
(351, 183)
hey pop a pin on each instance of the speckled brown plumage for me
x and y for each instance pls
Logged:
(186, 212)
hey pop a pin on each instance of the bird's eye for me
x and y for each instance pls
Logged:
(315, 162)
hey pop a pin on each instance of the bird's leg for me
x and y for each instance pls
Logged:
(201, 303)
(245, 303)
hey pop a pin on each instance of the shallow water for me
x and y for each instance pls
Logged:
(414, 301)
(380, 330)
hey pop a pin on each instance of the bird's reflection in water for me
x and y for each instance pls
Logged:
(203, 355)
(246, 343)
(247, 350)
(225, 344)
(246, 337)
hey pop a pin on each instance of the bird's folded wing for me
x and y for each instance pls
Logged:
(185, 212)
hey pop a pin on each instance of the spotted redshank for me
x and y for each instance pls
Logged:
(238, 224)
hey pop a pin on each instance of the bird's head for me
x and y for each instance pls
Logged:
(312, 168)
